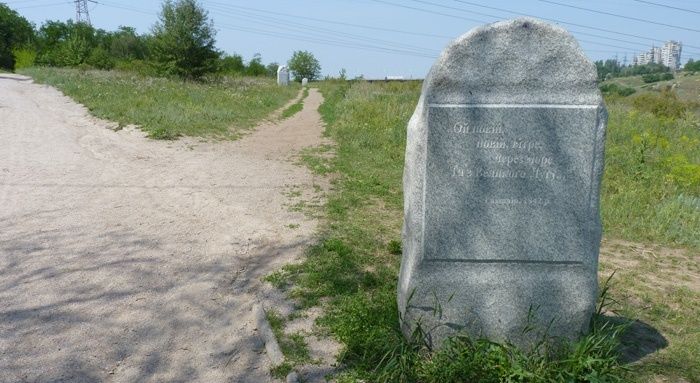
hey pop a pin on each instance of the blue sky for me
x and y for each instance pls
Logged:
(378, 38)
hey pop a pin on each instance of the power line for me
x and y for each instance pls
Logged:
(336, 22)
(43, 5)
(429, 11)
(150, 13)
(19, 1)
(276, 22)
(455, 8)
(569, 23)
(325, 41)
(620, 16)
(306, 26)
(575, 32)
(500, 17)
(667, 6)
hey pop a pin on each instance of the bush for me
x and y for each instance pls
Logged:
(665, 104)
(655, 77)
(692, 66)
(136, 66)
(24, 58)
(615, 89)
(651, 77)
(231, 64)
(100, 59)
(15, 32)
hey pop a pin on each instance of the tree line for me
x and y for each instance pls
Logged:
(651, 72)
(181, 43)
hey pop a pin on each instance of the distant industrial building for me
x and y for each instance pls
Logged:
(668, 55)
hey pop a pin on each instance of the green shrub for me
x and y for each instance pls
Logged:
(616, 89)
(655, 77)
(24, 58)
(100, 59)
(664, 104)
(136, 66)
(651, 77)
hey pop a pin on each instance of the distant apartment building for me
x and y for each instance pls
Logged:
(668, 55)
(671, 54)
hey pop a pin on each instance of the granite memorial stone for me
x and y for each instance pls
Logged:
(502, 174)
(283, 75)
(304, 81)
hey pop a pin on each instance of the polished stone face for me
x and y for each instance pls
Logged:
(504, 158)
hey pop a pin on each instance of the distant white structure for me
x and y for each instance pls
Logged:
(304, 81)
(668, 55)
(671, 54)
(283, 75)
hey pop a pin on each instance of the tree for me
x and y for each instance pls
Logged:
(271, 69)
(231, 64)
(303, 64)
(15, 32)
(255, 66)
(125, 44)
(183, 40)
(692, 66)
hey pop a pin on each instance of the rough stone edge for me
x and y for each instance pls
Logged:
(272, 347)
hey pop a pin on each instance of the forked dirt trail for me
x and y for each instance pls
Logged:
(124, 259)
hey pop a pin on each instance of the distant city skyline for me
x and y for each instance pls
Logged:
(669, 54)
(380, 38)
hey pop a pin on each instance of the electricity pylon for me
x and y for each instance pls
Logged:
(81, 12)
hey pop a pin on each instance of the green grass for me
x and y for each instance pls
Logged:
(296, 107)
(293, 346)
(651, 188)
(352, 271)
(167, 108)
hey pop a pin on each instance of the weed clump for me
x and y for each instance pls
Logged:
(665, 104)
(615, 89)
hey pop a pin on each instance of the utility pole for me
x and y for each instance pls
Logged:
(81, 12)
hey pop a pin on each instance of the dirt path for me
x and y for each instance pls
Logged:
(124, 259)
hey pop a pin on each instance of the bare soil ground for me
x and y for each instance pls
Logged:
(124, 259)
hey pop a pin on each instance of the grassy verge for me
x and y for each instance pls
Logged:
(168, 108)
(293, 346)
(353, 269)
(296, 107)
(651, 188)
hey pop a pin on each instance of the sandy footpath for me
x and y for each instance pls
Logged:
(124, 259)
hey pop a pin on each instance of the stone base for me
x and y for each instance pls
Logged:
(498, 301)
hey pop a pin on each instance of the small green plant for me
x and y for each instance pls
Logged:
(292, 110)
(281, 371)
(394, 247)
(161, 133)
(296, 107)
(293, 346)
